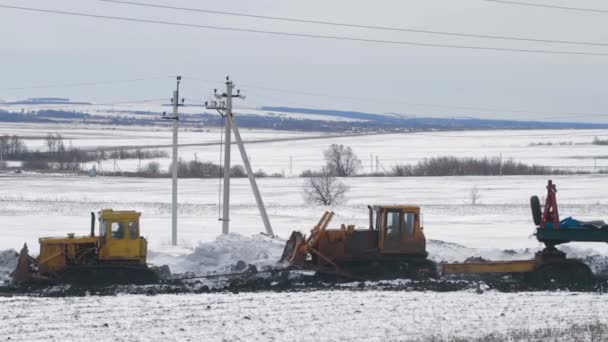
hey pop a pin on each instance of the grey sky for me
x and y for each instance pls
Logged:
(49, 49)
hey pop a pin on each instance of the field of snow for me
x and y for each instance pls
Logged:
(158, 107)
(569, 149)
(91, 137)
(35, 205)
(302, 316)
(46, 205)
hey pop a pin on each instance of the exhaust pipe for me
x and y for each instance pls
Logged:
(92, 224)
(371, 217)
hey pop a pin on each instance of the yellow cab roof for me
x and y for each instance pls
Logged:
(119, 215)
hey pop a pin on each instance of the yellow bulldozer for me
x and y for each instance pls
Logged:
(116, 255)
(394, 246)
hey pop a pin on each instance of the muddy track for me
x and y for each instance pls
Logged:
(281, 281)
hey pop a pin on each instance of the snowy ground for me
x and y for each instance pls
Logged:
(41, 205)
(33, 205)
(569, 149)
(304, 316)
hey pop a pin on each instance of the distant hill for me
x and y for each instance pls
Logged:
(279, 118)
(442, 123)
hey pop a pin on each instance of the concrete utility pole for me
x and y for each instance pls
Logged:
(224, 107)
(175, 117)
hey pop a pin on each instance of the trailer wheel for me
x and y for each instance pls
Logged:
(536, 210)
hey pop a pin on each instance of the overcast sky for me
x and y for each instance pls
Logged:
(48, 49)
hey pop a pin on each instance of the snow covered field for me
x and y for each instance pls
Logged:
(35, 205)
(569, 149)
(46, 205)
(303, 316)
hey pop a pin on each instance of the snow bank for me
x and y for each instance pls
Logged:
(222, 255)
(441, 251)
(8, 262)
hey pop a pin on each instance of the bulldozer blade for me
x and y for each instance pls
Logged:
(292, 252)
(25, 272)
(22, 272)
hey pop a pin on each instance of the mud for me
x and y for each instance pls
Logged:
(282, 280)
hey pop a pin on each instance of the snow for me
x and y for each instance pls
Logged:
(223, 254)
(33, 206)
(294, 156)
(42, 205)
(8, 262)
(300, 316)
(135, 110)
(498, 228)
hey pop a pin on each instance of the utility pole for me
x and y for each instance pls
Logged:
(500, 165)
(175, 117)
(377, 163)
(224, 107)
(290, 165)
(371, 164)
(594, 164)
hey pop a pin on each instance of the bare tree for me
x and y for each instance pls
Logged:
(341, 160)
(152, 169)
(54, 143)
(324, 188)
(474, 195)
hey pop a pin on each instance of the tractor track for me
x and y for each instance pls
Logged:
(283, 281)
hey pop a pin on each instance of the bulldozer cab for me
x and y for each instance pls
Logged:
(119, 236)
(399, 228)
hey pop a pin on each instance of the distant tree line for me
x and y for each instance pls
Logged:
(598, 141)
(452, 166)
(58, 156)
(193, 169)
(341, 161)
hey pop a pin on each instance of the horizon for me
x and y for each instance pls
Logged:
(103, 60)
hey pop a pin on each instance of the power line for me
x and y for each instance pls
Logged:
(580, 9)
(71, 106)
(82, 84)
(306, 35)
(342, 24)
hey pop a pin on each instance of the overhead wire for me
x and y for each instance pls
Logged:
(82, 84)
(550, 115)
(352, 25)
(308, 35)
(64, 106)
(521, 3)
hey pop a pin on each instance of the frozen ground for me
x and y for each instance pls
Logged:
(41, 205)
(34, 205)
(569, 149)
(303, 316)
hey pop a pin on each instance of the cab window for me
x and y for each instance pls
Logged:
(393, 224)
(118, 230)
(133, 230)
(410, 222)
